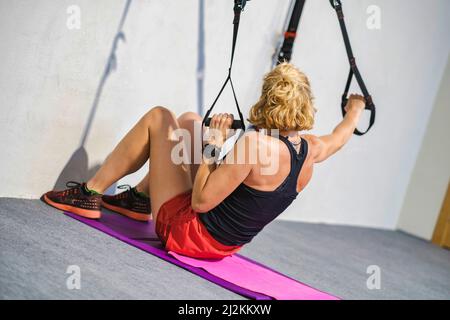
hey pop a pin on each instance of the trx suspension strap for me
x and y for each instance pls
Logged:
(336, 4)
(284, 52)
(237, 124)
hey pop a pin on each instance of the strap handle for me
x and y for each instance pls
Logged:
(354, 71)
(369, 105)
(237, 124)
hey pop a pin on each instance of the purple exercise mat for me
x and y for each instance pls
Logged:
(140, 235)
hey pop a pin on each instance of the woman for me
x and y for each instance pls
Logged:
(207, 210)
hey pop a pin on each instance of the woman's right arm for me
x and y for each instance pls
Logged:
(325, 146)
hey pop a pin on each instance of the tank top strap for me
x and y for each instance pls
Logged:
(297, 160)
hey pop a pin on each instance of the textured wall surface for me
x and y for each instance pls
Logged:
(68, 96)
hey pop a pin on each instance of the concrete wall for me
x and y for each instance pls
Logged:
(63, 109)
(431, 174)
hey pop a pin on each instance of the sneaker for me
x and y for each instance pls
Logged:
(76, 199)
(130, 203)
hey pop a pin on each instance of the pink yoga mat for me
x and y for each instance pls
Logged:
(236, 273)
(256, 278)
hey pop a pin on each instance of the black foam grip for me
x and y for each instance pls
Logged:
(237, 124)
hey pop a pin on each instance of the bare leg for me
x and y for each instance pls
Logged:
(166, 179)
(188, 121)
(129, 155)
(151, 135)
(191, 121)
(144, 184)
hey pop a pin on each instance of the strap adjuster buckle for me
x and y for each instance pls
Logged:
(290, 35)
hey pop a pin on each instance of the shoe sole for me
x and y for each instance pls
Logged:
(90, 214)
(128, 213)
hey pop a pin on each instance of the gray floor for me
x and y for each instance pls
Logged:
(37, 244)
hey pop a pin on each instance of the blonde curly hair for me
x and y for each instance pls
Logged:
(286, 101)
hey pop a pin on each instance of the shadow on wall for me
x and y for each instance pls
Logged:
(201, 56)
(77, 168)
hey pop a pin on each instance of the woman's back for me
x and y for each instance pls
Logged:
(267, 191)
(270, 172)
(235, 200)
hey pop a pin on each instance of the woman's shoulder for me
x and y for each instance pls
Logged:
(314, 145)
(250, 136)
(258, 138)
(254, 142)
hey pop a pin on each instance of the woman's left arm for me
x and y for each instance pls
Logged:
(214, 183)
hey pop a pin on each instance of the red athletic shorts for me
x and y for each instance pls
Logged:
(180, 230)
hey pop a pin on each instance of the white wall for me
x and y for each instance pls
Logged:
(50, 76)
(430, 177)
(403, 64)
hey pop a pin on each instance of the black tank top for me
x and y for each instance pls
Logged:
(246, 211)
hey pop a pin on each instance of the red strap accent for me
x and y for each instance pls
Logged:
(290, 34)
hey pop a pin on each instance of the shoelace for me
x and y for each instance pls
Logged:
(72, 185)
(133, 191)
(124, 186)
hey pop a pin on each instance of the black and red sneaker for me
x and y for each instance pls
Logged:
(130, 203)
(76, 199)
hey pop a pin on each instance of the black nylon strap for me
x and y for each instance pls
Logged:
(354, 71)
(238, 7)
(290, 34)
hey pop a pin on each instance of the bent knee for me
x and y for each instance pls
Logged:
(190, 116)
(159, 115)
(188, 120)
